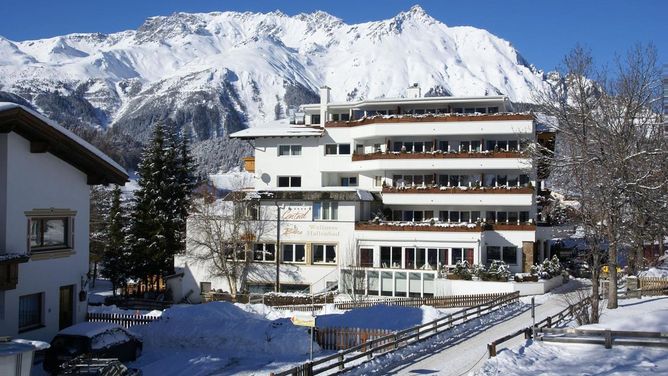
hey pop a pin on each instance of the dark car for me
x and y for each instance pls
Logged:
(95, 339)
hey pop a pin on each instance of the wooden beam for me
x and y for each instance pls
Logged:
(95, 180)
(7, 127)
(39, 146)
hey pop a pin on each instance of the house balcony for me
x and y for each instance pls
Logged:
(9, 270)
(468, 196)
(436, 160)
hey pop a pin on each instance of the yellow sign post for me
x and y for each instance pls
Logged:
(308, 321)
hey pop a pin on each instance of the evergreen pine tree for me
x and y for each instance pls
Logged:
(114, 260)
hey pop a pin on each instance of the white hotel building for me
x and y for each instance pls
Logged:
(398, 189)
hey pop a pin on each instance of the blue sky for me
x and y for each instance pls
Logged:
(543, 31)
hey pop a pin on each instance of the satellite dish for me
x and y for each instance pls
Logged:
(265, 178)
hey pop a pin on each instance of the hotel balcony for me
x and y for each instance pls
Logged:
(437, 160)
(466, 196)
(436, 226)
(432, 124)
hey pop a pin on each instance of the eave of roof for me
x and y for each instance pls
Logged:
(293, 131)
(47, 136)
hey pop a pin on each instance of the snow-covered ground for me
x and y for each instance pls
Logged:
(540, 358)
(223, 338)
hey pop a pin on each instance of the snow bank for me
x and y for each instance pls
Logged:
(657, 272)
(382, 317)
(224, 327)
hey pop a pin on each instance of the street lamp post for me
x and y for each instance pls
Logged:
(277, 288)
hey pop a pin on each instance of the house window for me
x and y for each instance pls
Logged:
(324, 253)
(390, 257)
(457, 255)
(325, 210)
(493, 253)
(294, 253)
(30, 311)
(284, 150)
(49, 233)
(264, 252)
(333, 149)
(289, 181)
(350, 181)
(315, 119)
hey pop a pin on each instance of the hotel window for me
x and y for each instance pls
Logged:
(335, 117)
(390, 257)
(443, 145)
(509, 255)
(264, 252)
(50, 233)
(325, 210)
(502, 145)
(512, 145)
(289, 181)
(350, 181)
(30, 311)
(524, 180)
(324, 253)
(492, 110)
(377, 181)
(366, 257)
(334, 149)
(513, 180)
(345, 117)
(464, 146)
(315, 119)
(284, 150)
(524, 216)
(501, 180)
(475, 146)
(457, 255)
(501, 217)
(294, 253)
(513, 217)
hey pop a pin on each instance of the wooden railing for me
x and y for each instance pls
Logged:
(567, 313)
(337, 362)
(445, 118)
(123, 320)
(604, 337)
(426, 226)
(458, 190)
(453, 301)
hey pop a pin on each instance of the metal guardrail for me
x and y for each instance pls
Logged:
(399, 339)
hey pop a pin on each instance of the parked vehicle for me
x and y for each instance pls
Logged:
(95, 339)
(85, 366)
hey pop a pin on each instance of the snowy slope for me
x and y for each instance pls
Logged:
(218, 72)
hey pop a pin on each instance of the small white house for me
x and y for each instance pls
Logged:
(45, 174)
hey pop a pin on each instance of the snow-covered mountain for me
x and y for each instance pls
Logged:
(218, 72)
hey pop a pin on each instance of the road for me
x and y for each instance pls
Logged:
(464, 351)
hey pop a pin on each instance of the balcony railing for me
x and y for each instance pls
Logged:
(456, 190)
(436, 155)
(442, 118)
(442, 226)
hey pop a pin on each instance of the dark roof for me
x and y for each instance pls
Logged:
(47, 136)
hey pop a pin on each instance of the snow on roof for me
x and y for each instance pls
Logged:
(88, 329)
(282, 131)
(4, 106)
(420, 100)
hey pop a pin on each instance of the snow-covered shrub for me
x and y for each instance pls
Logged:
(549, 268)
(462, 271)
(497, 271)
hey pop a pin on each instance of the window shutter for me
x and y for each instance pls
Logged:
(71, 223)
(28, 236)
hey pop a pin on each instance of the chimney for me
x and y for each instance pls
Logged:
(324, 100)
(414, 91)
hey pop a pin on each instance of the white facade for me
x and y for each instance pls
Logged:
(44, 220)
(443, 179)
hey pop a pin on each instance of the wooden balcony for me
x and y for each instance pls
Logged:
(437, 155)
(9, 270)
(445, 118)
(249, 164)
(458, 190)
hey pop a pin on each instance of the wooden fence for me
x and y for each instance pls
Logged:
(123, 320)
(604, 337)
(653, 286)
(560, 318)
(453, 301)
(392, 342)
(345, 338)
